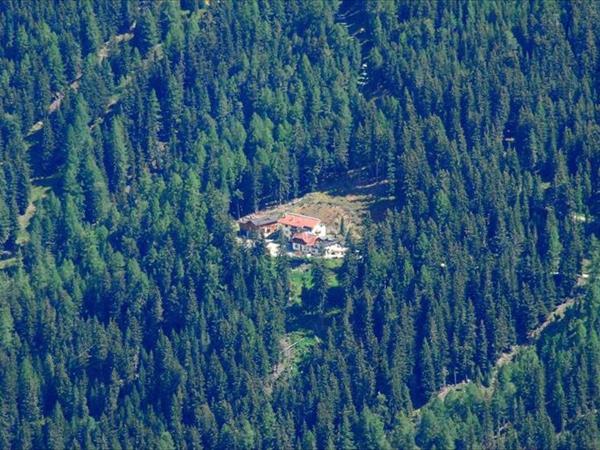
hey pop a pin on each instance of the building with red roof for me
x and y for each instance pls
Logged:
(306, 243)
(297, 223)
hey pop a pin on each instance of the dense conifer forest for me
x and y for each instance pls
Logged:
(133, 133)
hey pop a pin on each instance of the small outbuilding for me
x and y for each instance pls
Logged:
(259, 226)
(273, 249)
(333, 250)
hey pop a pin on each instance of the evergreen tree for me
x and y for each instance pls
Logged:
(146, 36)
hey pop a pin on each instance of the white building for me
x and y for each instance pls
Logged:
(334, 250)
(273, 249)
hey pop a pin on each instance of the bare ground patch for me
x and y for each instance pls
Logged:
(344, 204)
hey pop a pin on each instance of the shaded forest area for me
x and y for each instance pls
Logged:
(129, 315)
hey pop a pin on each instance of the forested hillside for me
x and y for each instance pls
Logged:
(548, 398)
(134, 132)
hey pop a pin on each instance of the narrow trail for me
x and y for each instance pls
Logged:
(351, 17)
(39, 191)
(103, 52)
(155, 54)
(555, 315)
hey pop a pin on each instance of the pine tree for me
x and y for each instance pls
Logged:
(318, 293)
(428, 377)
(553, 245)
(48, 147)
(371, 432)
(91, 38)
(152, 130)
(6, 325)
(5, 218)
(56, 430)
(146, 36)
(117, 156)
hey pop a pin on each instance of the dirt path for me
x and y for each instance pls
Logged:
(451, 388)
(557, 313)
(154, 54)
(102, 53)
(39, 191)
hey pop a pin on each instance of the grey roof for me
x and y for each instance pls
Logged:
(260, 221)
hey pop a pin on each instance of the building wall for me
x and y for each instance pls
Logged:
(334, 251)
(305, 249)
(273, 249)
(267, 230)
(320, 230)
(247, 229)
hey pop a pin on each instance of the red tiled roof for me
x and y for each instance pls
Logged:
(299, 221)
(305, 238)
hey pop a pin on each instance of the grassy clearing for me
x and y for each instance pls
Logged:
(37, 193)
(296, 347)
(301, 275)
(304, 342)
(333, 266)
